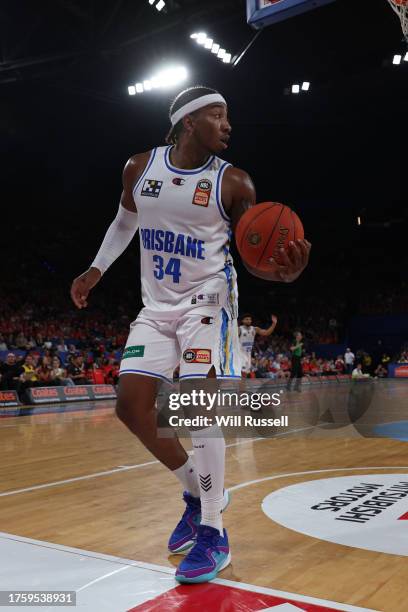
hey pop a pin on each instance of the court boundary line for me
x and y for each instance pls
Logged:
(129, 563)
(123, 468)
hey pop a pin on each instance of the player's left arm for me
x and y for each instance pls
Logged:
(238, 195)
(269, 330)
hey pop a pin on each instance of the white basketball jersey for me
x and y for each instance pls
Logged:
(185, 238)
(247, 337)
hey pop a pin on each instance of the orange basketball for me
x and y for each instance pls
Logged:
(263, 230)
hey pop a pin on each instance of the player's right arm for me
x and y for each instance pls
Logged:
(118, 236)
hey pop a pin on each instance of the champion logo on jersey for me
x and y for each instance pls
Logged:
(206, 299)
(178, 181)
(202, 192)
(151, 188)
(197, 355)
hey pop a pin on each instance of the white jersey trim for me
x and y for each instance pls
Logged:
(218, 191)
(181, 171)
(145, 171)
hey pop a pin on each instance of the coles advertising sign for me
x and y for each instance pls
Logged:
(103, 391)
(8, 398)
(42, 395)
(72, 394)
(52, 395)
(401, 371)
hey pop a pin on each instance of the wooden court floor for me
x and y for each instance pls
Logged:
(119, 501)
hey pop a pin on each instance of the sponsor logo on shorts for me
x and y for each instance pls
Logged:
(197, 355)
(151, 188)
(134, 351)
(365, 511)
(206, 299)
(202, 193)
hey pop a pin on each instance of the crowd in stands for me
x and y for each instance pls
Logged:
(272, 359)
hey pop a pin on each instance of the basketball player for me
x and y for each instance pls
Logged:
(186, 202)
(247, 333)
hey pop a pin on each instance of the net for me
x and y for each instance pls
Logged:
(401, 8)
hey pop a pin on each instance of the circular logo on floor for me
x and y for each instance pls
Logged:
(365, 511)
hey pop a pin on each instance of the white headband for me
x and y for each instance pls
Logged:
(196, 104)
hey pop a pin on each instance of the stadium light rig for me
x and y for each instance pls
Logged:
(297, 89)
(208, 43)
(159, 5)
(170, 77)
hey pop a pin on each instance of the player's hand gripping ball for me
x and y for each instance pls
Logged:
(263, 231)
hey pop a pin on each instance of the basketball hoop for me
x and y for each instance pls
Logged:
(401, 8)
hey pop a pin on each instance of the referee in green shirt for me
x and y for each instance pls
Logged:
(296, 371)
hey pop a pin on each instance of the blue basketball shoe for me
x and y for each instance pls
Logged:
(209, 555)
(185, 533)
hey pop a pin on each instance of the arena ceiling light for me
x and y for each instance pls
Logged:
(164, 79)
(406, 57)
(158, 4)
(397, 59)
(296, 88)
(208, 43)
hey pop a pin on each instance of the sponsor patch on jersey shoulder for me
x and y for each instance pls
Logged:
(202, 192)
(151, 188)
(206, 299)
(195, 355)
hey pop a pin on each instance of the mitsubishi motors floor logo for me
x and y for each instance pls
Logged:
(366, 511)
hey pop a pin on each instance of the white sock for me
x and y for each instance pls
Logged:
(209, 456)
(187, 475)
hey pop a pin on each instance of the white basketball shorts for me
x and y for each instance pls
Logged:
(195, 341)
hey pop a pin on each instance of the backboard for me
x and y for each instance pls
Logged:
(261, 13)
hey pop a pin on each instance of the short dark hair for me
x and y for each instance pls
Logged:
(184, 97)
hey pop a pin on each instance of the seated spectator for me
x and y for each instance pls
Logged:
(358, 372)
(339, 365)
(385, 360)
(29, 374)
(328, 367)
(61, 346)
(306, 365)
(404, 357)
(59, 373)
(10, 372)
(381, 371)
(28, 377)
(314, 366)
(76, 370)
(44, 373)
(111, 371)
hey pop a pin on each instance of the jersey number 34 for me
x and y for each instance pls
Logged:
(172, 268)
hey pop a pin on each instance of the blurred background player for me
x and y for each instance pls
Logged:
(296, 370)
(247, 333)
